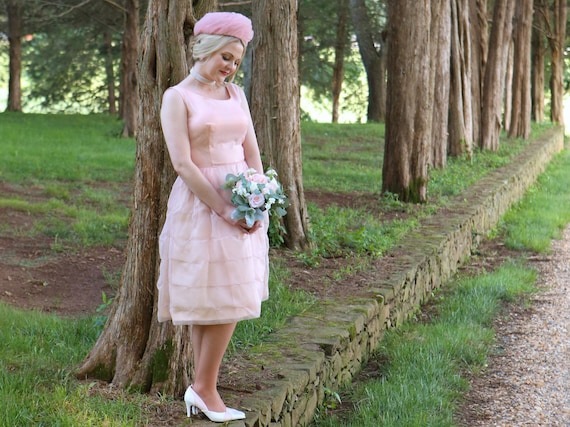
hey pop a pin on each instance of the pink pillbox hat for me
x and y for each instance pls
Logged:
(225, 24)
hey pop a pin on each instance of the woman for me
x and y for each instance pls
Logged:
(214, 269)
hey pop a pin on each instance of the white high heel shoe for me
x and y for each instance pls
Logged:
(195, 404)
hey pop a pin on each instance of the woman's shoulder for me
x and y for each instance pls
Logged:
(236, 90)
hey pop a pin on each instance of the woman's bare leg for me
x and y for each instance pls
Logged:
(209, 343)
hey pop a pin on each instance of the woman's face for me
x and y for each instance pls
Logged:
(223, 63)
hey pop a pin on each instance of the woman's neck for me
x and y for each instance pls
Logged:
(200, 78)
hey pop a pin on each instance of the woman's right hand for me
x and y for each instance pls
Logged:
(241, 224)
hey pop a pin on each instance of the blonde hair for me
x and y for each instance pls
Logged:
(205, 45)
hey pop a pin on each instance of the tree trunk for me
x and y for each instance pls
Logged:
(479, 40)
(556, 42)
(409, 113)
(495, 67)
(508, 98)
(109, 72)
(276, 112)
(538, 59)
(15, 33)
(129, 52)
(521, 105)
(339, 51)
(440, 74)
(371, 58)
(134, 350)
(460, 108)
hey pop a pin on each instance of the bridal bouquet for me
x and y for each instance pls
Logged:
(254, 193)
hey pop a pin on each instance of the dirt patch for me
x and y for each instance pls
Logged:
(36, 274)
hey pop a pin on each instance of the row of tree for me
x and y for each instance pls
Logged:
(445, 75)
(74, 55)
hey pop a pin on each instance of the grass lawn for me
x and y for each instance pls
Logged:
(65, 183)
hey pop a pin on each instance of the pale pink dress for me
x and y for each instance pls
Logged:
(210, 271)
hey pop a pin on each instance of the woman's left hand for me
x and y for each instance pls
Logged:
(247, 229)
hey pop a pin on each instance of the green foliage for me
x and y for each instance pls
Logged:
(352, 232)
(318, 24)
(461, 172)
(344, 161)
(101, 317)
(75, 83)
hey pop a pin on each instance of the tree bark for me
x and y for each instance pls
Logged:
(134, 350)
(494, 83)
(339, 52)
(521, 105)
(460, 108)
(508, 98)
(371, 58)
(557, 41)
(129, 52)
(538, 59)
(276, 109)
(109, 72)
(15, 33)
(409, 113)
(479, 40)
(440, 47)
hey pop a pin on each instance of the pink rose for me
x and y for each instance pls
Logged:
(256, 200)
(258, 178)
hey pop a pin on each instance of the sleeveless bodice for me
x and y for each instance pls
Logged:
(216, 127)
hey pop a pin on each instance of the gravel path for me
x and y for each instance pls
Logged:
(527, 381)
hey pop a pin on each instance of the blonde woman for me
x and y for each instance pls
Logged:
(214, 269)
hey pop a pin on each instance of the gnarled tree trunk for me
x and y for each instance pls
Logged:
(494, 84)
(440, 47)
(521, 105)
(275, 108)
(460, 108)
(129, 52)
(538, 57)
(557, 40)
(409, 112)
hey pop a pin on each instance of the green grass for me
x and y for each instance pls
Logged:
(38, 352)
(72, 175)
(529, 225)
(79, 167)
(65, 148)
(424, 365)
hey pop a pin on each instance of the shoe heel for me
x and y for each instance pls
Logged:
(191, 410)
